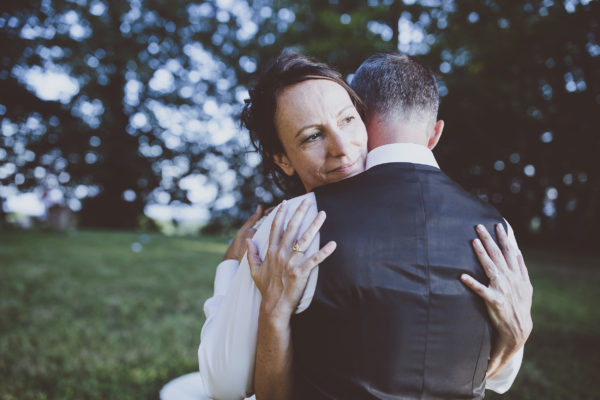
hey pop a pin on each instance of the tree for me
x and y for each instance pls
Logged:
(146, 87)
(519, 86)
(522, 82)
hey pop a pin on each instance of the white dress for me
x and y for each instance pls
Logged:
(190, 386)
(186, 387)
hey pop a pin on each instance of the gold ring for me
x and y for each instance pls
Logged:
(296, 248)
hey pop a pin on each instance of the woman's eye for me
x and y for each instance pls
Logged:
(312, 137)
(348, 119)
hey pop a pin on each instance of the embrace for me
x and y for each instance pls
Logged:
(382, 279)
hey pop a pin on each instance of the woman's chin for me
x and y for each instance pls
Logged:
(339, 175)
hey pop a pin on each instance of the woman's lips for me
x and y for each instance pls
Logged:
(346, 168)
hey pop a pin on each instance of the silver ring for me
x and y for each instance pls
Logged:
(296, 249)
(493, 278)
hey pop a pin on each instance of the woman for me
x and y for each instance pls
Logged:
(319, 153)
(230, 376)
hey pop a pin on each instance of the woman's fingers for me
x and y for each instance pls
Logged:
(255, 217)
(293, 226)
(484, 259)
(523, 269)
(297, 276)
(491, 247)
(268, 210)
(248, 226)
(277, 226)
(477, 287)
(507, 250)
(253, 258)
(307, 237)
(317, 258)
(492, 302)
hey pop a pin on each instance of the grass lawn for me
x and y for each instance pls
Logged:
(82, 316)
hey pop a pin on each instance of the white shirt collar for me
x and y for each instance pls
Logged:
(401, 152)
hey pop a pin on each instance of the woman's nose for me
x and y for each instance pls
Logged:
(338, 143)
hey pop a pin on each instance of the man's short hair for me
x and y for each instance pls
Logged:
(394, 86)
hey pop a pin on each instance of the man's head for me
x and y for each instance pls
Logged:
(401, 98)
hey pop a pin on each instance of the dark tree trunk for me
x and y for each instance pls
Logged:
(122, 164)
(118, 171)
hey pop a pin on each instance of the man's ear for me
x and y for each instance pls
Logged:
(436, 134)
(284, 163)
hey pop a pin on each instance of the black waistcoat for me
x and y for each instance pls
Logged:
(390, 318)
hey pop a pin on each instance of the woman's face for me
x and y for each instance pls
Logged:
(323, 136)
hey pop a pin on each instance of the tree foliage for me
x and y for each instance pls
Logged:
(523, 81)
(158, 83)
(141, 118)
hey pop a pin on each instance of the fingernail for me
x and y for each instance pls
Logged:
(500, 228)
(477, 243)
(479, 227)
(463, 276)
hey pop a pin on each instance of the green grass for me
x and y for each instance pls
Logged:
(562, 356)
(82, 316)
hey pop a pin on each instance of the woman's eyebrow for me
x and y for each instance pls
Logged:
(317, 125)
(344, 109)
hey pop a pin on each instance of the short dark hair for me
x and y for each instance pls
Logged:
(258, 115)
(394, 85)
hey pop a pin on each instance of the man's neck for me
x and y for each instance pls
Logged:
(382, 132)
(400, 153)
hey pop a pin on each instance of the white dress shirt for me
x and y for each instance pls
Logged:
(228, 339)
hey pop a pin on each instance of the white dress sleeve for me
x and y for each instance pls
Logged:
(228, 339)
(503, 380)
(223, 278)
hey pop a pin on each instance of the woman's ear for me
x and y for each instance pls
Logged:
(284, 163)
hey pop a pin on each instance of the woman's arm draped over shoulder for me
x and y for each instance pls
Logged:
(282, 278)
(227, 349)
(228, 338)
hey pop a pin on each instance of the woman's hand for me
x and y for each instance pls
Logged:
(282, 276)
(281, 279)
(508, 297)
(238, 245)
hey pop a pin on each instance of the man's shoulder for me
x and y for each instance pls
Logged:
(295, 201)
(474, 200)
(379, 176)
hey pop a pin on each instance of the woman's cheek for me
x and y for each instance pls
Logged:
(361, 137)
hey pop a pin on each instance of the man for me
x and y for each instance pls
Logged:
(411, 351)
